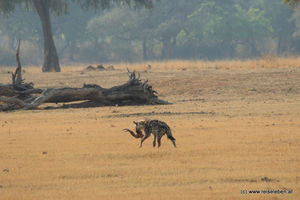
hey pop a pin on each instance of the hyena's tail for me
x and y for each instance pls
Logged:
(169, 135)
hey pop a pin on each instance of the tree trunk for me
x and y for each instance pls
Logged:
(51, 62)
(279, 45)
(254, 51)
(166, 49)
(224, 48)
(72, 47)
(17, 76)
(145, 55)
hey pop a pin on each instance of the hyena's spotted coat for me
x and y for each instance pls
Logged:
(156, 127)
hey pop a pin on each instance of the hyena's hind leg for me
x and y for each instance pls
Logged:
(159, 140)
(169, 135)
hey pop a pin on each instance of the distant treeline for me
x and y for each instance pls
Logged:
(172, 29)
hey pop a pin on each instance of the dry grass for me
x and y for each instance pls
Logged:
(267, 61)
(235, 129)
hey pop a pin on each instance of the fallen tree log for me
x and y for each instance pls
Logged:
(22, 89)
(133, 92)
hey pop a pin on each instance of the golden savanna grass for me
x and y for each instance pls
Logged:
(267, 61)
(237, 126)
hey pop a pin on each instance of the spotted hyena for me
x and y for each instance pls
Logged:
(156, 127)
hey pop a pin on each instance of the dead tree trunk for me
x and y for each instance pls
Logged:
(17, 76)
(18, 92)
(18, 87)
(133, 92)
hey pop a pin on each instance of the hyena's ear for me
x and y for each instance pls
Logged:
(135, 122)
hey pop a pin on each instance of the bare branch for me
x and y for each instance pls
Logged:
(17, 76)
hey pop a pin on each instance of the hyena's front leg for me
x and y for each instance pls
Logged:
(154, 141)
(144, 138)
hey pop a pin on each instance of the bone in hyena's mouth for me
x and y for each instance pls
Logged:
(138, 134)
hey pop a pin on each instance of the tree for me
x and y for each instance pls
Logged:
(70, 31)
(291, 2)
(172, 17)
(224, 25)
(25, 25)
(124, 27)
(283, 25)
(59, 7)
(51, 62)
(159, 25)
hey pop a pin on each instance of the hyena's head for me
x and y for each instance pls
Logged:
(139, 125)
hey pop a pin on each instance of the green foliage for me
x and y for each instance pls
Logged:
(291, 2)
(23, 25)
(224, 26)
(7, 6)
(296, 18)
(213, 22)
